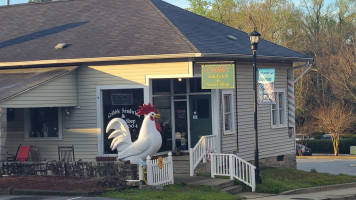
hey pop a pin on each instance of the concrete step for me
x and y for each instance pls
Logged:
(218, 183)
(181, 165)
(225, 185)
(181, 171)
(181, 158)
(234, 189)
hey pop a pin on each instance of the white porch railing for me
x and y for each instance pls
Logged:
(155, 175)
(234, 167)
(206, 145)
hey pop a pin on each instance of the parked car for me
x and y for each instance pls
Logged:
(304, 150)
(326, 137)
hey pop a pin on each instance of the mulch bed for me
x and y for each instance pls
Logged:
(60, 183)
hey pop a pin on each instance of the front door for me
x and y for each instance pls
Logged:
(200, 117)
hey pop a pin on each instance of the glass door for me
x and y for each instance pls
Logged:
(181, 125)
(200, 117)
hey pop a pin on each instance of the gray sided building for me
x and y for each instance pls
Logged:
(68, 67)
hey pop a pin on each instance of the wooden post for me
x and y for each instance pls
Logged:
(149, 171)
(191, 162)
(212, 162)
(170, 167)
(3, 134)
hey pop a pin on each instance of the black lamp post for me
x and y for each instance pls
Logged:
(254, 38)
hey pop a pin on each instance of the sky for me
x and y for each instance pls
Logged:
(179, 3)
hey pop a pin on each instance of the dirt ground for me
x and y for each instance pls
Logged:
(58, 183)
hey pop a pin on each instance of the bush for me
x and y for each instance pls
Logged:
(326, 146)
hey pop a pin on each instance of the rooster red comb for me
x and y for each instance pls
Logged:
(145, 109)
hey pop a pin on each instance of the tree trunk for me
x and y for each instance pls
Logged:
(336, 146)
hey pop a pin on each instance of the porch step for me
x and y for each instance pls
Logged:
(225, 185)
(234, 189)
(180, 165)
(181, 158)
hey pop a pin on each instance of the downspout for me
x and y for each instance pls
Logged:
(237, 113)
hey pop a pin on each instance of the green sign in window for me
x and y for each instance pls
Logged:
(218, 76)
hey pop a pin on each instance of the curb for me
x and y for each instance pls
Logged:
(326, 157)
(319, 189)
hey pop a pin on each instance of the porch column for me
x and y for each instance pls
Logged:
(3, 134)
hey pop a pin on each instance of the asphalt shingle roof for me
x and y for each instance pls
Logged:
(112, 28)
(16, 81)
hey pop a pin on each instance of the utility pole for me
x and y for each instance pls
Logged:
(7, 2)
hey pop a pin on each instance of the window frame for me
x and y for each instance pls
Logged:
(284, 107)
(27, 126)
(232, 111)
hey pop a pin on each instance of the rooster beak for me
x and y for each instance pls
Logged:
(158, 116)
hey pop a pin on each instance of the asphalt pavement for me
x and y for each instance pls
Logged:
(34, 197)
(331, 166)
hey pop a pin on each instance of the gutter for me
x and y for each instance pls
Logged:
(151, 57)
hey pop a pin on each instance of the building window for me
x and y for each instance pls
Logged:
(43, 123)
(228, 112)
(278, 110)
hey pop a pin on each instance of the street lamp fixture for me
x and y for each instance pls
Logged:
(254, 39)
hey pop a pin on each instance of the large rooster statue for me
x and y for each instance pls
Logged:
(149, 140)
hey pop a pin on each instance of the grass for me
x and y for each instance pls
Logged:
(278, 180)
(178, 191)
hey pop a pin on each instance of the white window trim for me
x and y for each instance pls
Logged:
(27, 128)
(99, 107)
(277, 108)
(232, 131)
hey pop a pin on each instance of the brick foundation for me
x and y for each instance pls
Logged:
(284, 161)
(121, 169)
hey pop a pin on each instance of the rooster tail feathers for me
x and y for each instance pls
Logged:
(120, 143)
(121, 134)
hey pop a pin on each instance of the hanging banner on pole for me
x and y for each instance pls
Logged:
(265, 86)
(218, 76)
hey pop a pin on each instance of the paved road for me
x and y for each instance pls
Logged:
(50, 198)
(331, 166)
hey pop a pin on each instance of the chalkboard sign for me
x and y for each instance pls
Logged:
(122, 103)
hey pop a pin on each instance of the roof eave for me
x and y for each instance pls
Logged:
(260, 57)
(100, 59)
(151, 57)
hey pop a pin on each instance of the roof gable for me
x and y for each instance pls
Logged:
(209, 36)
(116, 28)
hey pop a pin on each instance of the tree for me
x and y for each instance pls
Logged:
(199, 7)
(334, 119)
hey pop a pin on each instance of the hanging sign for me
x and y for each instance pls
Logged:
(265, 86)
(218, 76)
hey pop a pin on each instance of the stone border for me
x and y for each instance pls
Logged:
(319, 189)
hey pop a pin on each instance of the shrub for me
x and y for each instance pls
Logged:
(326, 146)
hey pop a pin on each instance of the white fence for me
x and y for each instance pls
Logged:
(206, 145)
(234, 167)
(158, 174)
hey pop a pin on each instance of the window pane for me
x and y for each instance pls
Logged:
(180, 87)
(227, 122)
(195, 85)
(161, 86)
(163, 106)
(227, 103)
(121, 108)
(44, 122)
(281, 117)
(274, 117)
(280, 100)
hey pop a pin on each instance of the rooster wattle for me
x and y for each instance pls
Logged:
(149, 140)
